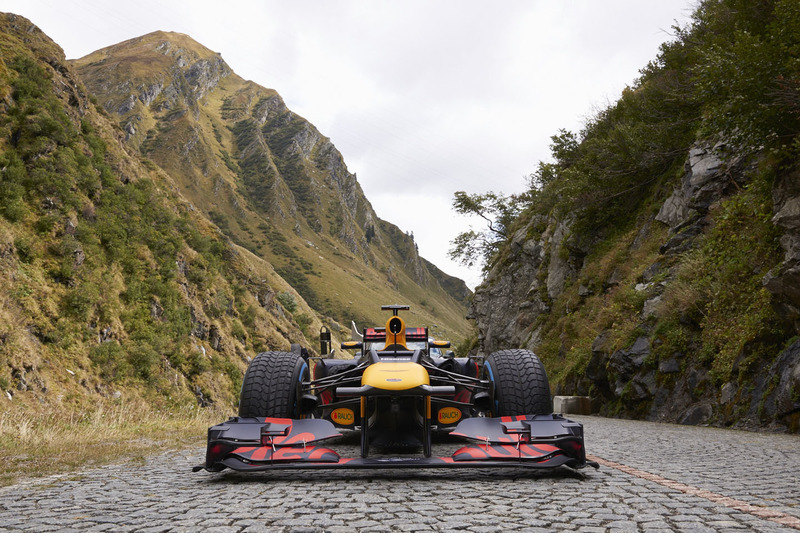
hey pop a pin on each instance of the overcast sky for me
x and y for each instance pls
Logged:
(422, 97)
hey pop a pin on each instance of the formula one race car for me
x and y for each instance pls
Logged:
(399, 390)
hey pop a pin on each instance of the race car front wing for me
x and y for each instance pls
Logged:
(532, 441)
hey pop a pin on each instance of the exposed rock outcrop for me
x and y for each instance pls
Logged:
(640, 379)
(507, 306)
(784, 281)
(189, 73)
(710, 173)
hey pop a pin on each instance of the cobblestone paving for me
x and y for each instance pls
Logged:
(759, 468)
(163, 495)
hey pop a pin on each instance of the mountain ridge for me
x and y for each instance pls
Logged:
(273, 168)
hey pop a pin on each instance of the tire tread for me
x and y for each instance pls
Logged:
(269, 385)
(521, 384)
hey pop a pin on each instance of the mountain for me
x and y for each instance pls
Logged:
(147, 256)
(654, 264)
(269, 179)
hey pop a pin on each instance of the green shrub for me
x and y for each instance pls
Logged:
(25, 251)
(304, 322)
(143, 360)
(287, 300)
(112, 362)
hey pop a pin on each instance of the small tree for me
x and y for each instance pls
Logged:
(499, 211)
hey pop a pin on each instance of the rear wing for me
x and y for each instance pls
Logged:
(372, 335)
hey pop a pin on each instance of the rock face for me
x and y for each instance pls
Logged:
(506, 307)
(543, 260)
(706, 179)
(784, 281)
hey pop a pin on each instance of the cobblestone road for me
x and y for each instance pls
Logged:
(655, 478)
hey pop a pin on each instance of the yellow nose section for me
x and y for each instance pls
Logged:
(395, 376)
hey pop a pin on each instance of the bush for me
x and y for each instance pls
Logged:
(304, 322)
(111, 360)
(143, 360)
(287, 300)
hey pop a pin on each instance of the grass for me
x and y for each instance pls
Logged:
(38, 445)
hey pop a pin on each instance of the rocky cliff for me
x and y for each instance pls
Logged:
(635, 375)
(656, 266)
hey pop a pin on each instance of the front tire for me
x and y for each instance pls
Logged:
(272, 385)
(520, 383)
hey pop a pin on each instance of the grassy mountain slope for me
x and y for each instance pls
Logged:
(113, 286)
(270, 180)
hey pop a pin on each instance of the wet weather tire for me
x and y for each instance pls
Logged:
(520, 383)
(272, 385)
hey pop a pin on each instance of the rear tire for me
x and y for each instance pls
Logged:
(520, 383)
(272, 385)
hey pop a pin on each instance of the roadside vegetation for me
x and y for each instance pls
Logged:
(65, 442)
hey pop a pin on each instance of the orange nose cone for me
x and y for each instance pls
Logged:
(397, 376)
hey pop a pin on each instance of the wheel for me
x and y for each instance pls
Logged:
(272, 385)
(520, 383)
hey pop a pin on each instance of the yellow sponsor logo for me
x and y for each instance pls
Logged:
(343, 416)
(449, 415)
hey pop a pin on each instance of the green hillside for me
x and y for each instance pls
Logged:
(112, 284)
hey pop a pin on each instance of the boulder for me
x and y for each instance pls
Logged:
(696, 415)
(669, 366)
(783, 402)
(625, 363)
(788, 217)
(650, 307)
(728, 393)
(675, 209)
(642, 386)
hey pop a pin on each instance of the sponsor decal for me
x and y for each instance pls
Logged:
(343, 416)
(449, 415)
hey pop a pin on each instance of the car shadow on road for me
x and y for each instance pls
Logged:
(421, 474)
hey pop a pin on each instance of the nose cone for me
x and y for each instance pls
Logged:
(397, 376)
